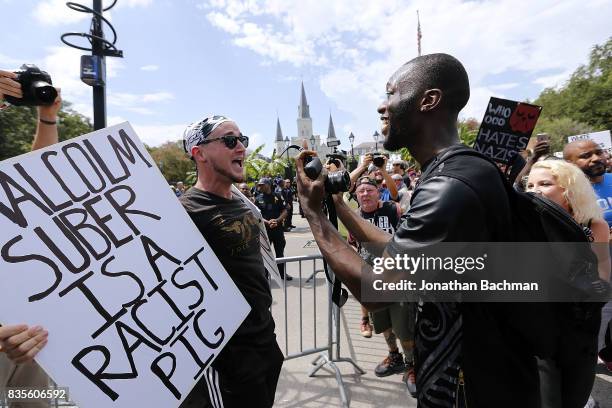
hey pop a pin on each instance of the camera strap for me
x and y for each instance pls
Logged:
(339, 294)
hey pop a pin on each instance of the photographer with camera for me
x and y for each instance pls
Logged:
(11, 90)
(375, 164)
(453, 342)
(19, 344)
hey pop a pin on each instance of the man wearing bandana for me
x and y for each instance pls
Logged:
(246, 372)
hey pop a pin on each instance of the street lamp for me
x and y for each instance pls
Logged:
(376, 135)
(312, 142)
(288, 168)
(352, 140)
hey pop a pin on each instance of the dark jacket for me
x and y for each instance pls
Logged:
(475, 337)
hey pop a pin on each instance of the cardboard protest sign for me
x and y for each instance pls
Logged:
(505, 129)
(95, 247)
(601, 138)
(266, 248)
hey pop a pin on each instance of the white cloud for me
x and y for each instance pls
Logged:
(257, 139)
(134, 102)
(63, 63)
(7, 62)
(123, 99)
(155, 135)
(149, 67)
(135, 3)
(355, 45)
(505, 87)
(114, 120)
(55, 12)
(553, 80)
(157, 97)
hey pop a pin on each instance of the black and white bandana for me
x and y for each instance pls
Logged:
(198, 131)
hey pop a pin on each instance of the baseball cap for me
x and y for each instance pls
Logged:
(264, 180)
(366, 180)
(197, 132)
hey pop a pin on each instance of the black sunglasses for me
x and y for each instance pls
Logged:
(230, 141)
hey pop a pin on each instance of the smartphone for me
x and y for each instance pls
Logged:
(542, 136)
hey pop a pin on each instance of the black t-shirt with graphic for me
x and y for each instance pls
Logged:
(232, 232)
(384, 217)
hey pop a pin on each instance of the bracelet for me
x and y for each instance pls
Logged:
(48, 122)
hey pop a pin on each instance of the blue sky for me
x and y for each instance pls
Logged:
(188, 58)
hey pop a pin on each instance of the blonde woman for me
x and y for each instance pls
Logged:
(566, 185)
(567, 380)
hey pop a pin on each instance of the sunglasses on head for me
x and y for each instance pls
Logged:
(230, 141)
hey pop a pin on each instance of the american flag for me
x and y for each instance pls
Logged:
(419, 35)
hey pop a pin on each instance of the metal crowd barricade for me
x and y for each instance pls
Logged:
(329, 352)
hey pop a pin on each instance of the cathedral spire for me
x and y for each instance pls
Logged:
(303, 109)
(331, 132)
(279, 132)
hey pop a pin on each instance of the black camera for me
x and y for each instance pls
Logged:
(337, 159)
(36, 87)
(379, 159)
(335, 182)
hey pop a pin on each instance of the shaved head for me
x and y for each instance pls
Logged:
(436, 71)
(574, 148)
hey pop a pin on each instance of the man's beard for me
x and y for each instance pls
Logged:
(594, 173)
(224, 172)
(397, 135)
(393, 140)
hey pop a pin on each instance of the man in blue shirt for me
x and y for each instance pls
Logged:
(592, 160)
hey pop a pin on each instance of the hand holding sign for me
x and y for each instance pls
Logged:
(136, 313)
(21, 343)
(505, 129)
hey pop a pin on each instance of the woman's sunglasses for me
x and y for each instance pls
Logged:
(230, 141)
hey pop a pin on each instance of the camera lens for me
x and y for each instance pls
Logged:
(378, 161)
(44, 93)
(338, 182)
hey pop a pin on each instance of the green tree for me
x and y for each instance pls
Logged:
(559, 129)
(172, 161)
(18, 125)
(71, 123)
(468, 130)
(586, 97)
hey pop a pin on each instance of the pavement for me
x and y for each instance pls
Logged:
(295, 387)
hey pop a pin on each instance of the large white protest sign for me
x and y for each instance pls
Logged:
(266, 248)
(601, 138)
(95, 247)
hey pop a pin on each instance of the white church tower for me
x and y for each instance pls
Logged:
(304, 121)
(304, 130)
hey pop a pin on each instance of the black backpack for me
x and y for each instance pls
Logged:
(537, 219)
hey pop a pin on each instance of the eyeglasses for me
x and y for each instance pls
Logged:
(230, 141)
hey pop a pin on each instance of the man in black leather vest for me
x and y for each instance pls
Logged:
(471, 354)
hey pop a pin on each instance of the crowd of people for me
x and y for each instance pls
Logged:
(453, 355)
